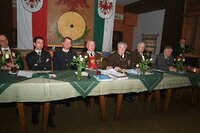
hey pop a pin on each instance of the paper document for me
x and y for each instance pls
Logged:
(114, 74)
(103, 77)
(25, 74)
(133, 71)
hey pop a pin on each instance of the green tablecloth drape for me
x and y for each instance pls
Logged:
(193, 77)
(149, 81)
(7, 79)
(83, 86)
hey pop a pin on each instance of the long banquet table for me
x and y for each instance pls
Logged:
(43, 89)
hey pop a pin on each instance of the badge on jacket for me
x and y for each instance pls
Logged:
(47, 60)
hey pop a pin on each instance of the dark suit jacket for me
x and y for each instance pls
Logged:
(62, 60)
(34, 63)
(177, 50)
(162, 63)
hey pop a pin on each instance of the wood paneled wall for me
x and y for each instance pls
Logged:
(6, 25)
(191, 27)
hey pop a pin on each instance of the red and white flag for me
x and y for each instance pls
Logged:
(31, 22)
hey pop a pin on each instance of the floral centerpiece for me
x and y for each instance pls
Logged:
(143, 66)
(80, 63)
(7, 58)
(179, 63)
(2, 60)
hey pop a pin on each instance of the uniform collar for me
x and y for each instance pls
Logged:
(91, 53)
(65, 50)
(122, 55)
(165, 56)
(5, 49)
(182, 46)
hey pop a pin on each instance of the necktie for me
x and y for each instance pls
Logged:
(39, 53)
(91, 54)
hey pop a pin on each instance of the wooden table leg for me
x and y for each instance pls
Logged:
(168, 98)
(103, 107)
(91, 101)
(45, 116)
(150, 96)
(194, 95)
(106, 100)
(22, 117)
(118, 105)
(157, 94)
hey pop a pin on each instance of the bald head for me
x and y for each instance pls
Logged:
(3, 41)
(90, 46)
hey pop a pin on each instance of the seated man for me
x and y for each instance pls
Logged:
(137, 55)
(181, 48)
(14, 60)
(121, 59)
(94, 60)
(40, 60)
(63, 58)
(165, 61)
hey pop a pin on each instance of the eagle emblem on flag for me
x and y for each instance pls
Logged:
(105, 8)
(32, 5)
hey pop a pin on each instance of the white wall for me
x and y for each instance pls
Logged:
(149, 23)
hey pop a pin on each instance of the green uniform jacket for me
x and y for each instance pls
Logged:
(98, 60)
(115, 60)
(136, 58)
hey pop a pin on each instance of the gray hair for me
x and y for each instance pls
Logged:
(168, 47)
(140, 43)
(88, 42)
(122, 43)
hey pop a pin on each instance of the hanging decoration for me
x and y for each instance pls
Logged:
(105, 8)
(71, 24)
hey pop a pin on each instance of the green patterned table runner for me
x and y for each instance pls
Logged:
(83, 86)
(7, 79)
(193, 77)
(149, 81)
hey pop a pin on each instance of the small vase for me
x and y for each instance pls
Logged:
(79, 72)
(143, 72)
